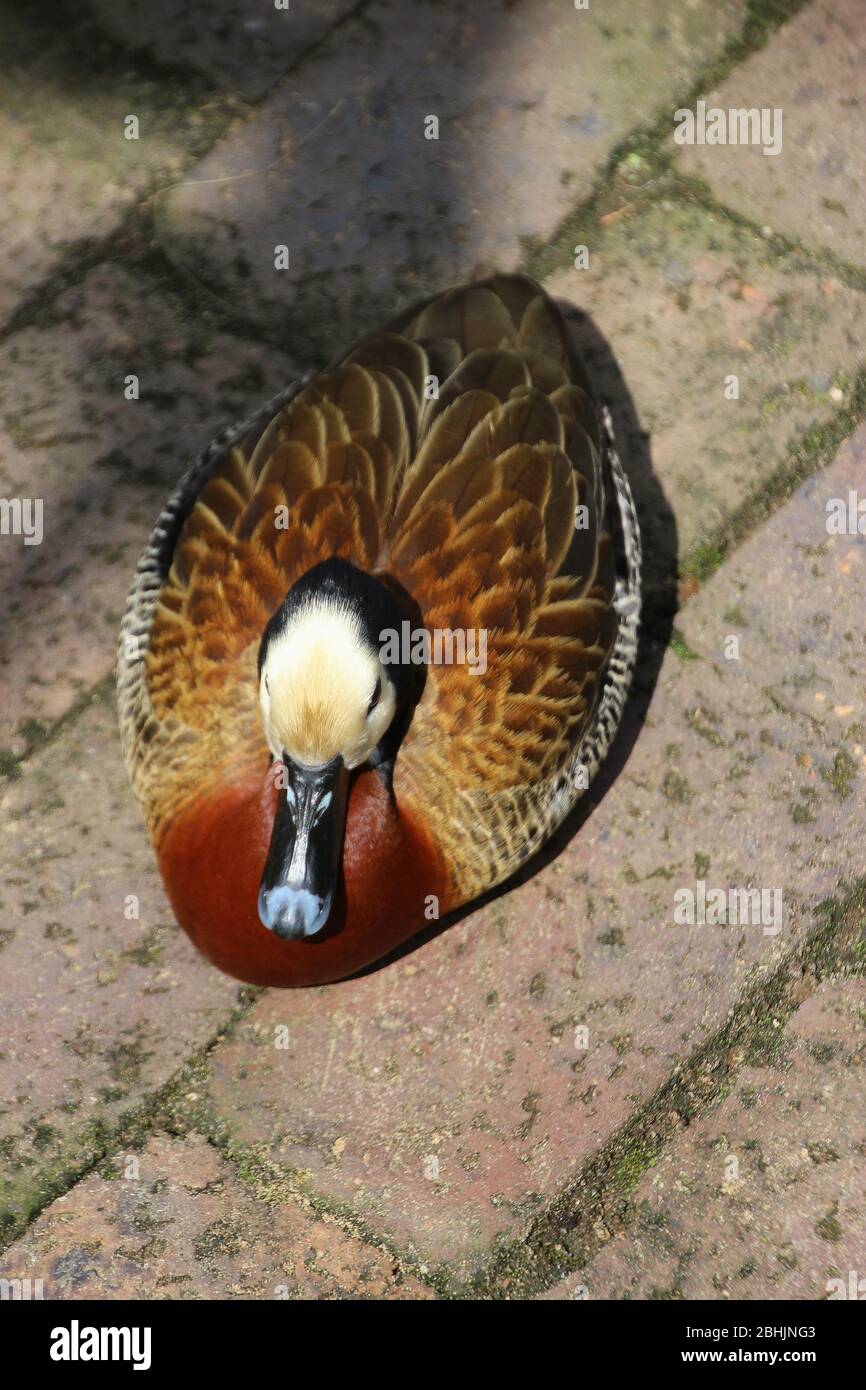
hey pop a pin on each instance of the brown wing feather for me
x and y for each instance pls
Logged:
(487, 541)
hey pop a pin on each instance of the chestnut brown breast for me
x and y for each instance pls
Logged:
(211, 859)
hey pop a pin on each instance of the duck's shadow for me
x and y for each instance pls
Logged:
(660, 569)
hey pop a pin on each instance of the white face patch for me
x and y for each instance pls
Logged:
(318, 680)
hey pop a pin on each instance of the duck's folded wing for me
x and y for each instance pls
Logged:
(314, 478)
(500, 534)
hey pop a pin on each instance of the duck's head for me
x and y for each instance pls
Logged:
(329, 705)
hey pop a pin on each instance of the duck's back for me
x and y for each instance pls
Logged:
(461, 453)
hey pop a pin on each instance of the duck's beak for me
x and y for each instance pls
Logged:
(303, 861)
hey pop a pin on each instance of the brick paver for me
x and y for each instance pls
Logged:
(241, 45)
(67, 170)
(766, 1197)
(685, 300)
(814, 71)
(334, 165)
(174, 1222)
(808, 648)
(100, 1006)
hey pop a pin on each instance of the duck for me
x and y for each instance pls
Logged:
(381, 638)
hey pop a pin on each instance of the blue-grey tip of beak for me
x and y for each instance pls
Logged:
(292, 913)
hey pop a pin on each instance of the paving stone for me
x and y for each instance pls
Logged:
(100, 1006)
(242, 45)
(447, 1096)
(765, 1197)
(66, 169)
(174, 1222)
(102, 466)
(808, 646)
(814, 70)
(335, 164)
(679, 299)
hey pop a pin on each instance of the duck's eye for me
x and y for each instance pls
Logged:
(375, 697)
(267, 687)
